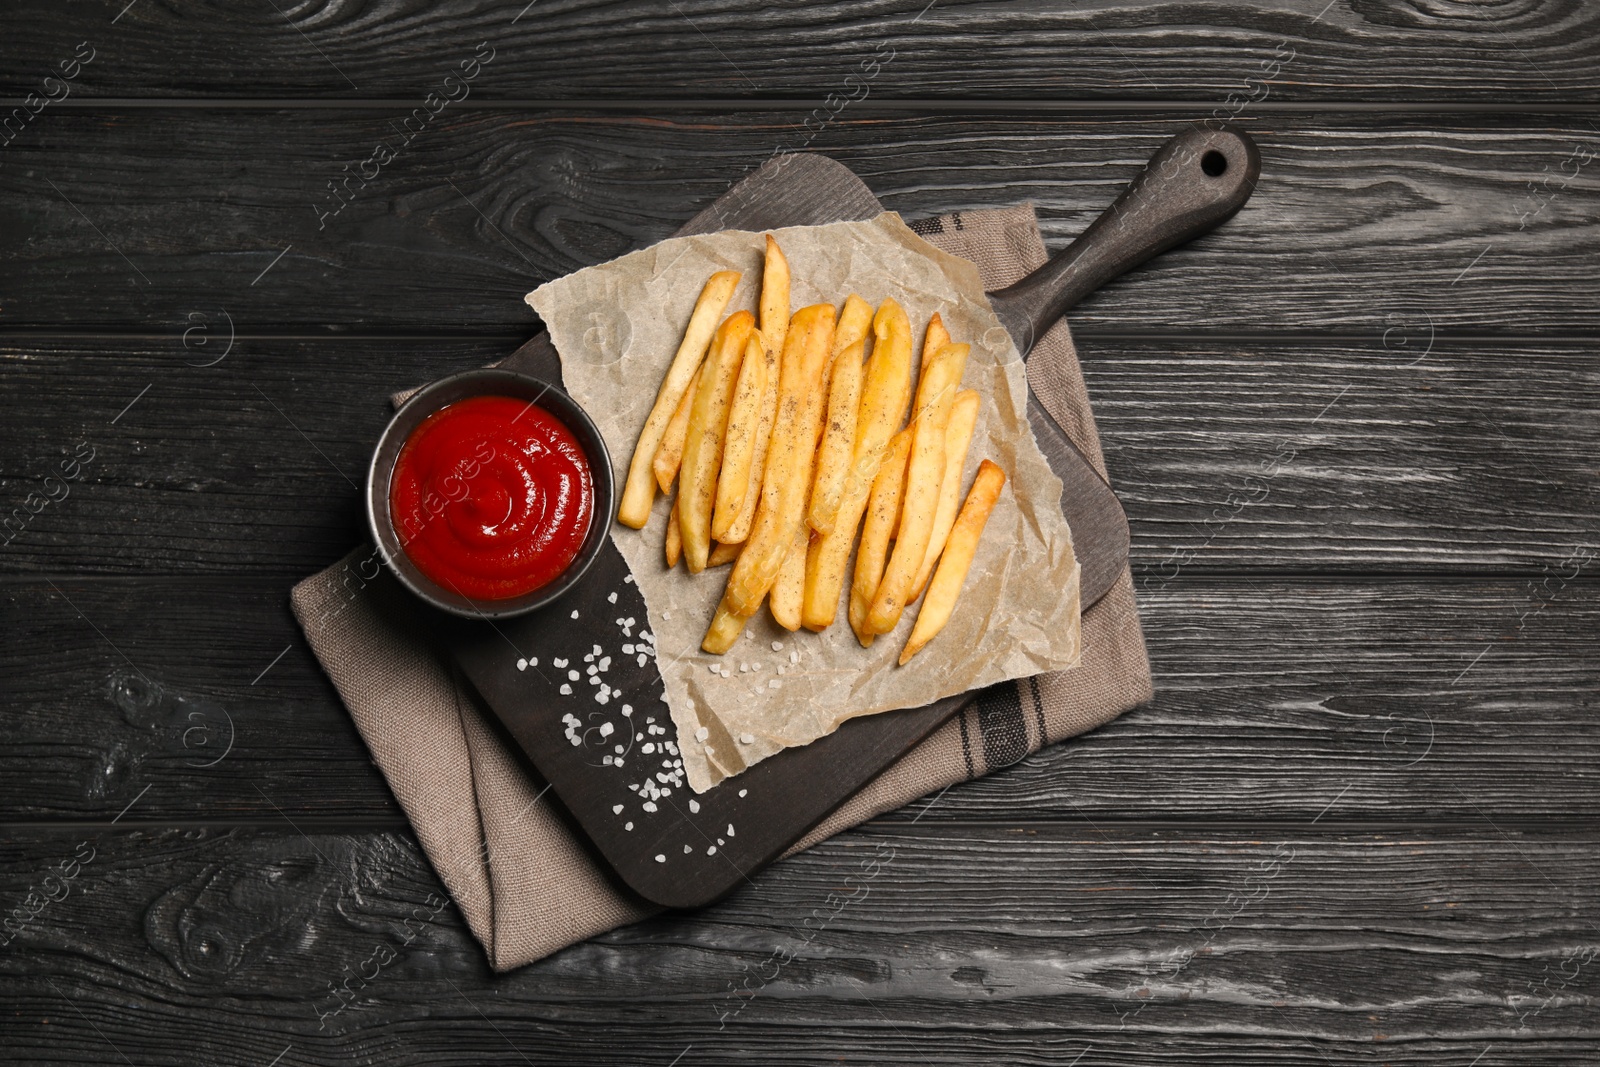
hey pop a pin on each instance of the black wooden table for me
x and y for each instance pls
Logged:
(1355, 432)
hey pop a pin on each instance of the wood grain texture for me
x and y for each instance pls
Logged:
(1348, 457)
(983, 943)
(1368, 50)
(1275, 700)
(1376, 226)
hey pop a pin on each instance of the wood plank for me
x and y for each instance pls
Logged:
(1325, 455)
(1383, 227)
(1003, 943)
(1108, 49)
(1276, 700)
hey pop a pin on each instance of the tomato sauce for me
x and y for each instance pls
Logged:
(492, 497)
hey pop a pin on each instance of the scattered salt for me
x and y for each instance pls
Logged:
(612, 598)
(616, 809)
(606, 729)
(522, 664)
(747, 739)
(627, 826)
(730, 825)
(659, 857)
(566, 690)
(694, 805)
(773, 683)
(777, 646)
(574, 613)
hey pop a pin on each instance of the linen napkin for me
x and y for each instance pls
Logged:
(522, 875)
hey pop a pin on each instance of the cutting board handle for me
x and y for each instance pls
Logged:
(1194, 183)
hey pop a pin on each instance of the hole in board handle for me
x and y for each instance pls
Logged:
(1214, 163)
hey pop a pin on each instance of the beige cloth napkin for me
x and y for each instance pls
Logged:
(522, 876)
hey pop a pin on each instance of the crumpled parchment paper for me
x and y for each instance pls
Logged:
(617, 326)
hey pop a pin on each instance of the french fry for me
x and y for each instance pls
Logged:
(959, 549)
(935, 338)
(702, 445)
(883, 516)
(739, 529)
(837, 450)
(786, 481)
(774, 331)
(957, 438)
(936, 395)
(639, 490)
(885, 395)
(674, 537)
(774, 297)
(738, 448)
(723, 553)
(669, 454)
(855, 319)
(788, 592)
(726, 626)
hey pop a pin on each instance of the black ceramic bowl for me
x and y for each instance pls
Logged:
(459, 387)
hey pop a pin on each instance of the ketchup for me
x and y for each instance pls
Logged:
(492, 497)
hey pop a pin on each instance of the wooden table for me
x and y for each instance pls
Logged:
(1355, 432)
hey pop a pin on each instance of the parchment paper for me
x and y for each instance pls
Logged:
(616, 327)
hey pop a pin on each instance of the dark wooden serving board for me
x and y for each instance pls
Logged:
(687, 850)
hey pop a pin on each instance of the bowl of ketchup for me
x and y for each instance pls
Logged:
(488, 494)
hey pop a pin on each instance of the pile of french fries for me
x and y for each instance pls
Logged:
(783, 437)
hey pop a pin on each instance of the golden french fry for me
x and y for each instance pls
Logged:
(936, 395)
(639, 490)
(957, 437)
(674, 537)
(936, 338)
(788, 592)
(738, 448)
(723, 553)
(702, 445)
(855, 319)
(837, 450)
(883, 516)
(958, 552)
(725, 629)
(774, 297)
(669, 454)
(885, 395)
(786, 482)
(739, 529)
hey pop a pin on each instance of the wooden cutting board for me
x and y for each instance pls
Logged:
(686, 850)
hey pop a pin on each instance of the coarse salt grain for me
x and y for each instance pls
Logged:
(642, 659)
(747, 739)
(616, 809)
(694, 805)
(702, 733)
(742, 792)
(522, 664)
(730, 825)
(660, 858)
(558, 663)
(777, 646)
(566, 690)
(687, 850)
(627, 826)
(574, 613)
(612, 598)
